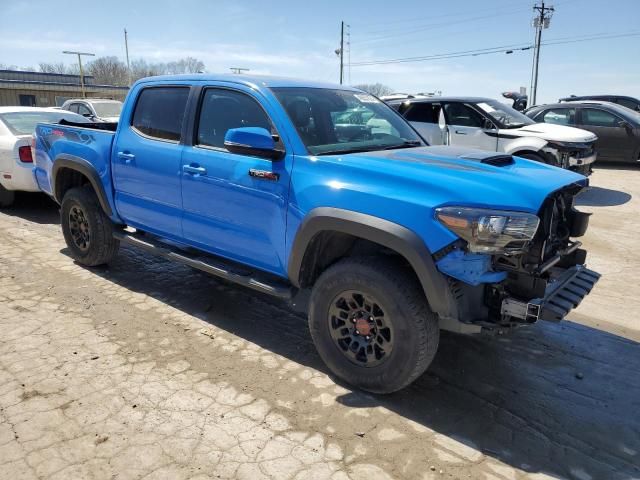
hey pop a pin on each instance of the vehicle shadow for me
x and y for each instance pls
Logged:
(34, 207)
(556, 398)
(602, 197)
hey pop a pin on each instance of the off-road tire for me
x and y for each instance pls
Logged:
(7, 197)
(415, 327)
(100, 247)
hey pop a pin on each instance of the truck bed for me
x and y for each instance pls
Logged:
(90, 142)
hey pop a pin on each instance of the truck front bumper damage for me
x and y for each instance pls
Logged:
(562, 295)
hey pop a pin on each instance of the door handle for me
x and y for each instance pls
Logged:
(194, 170)
(460, 132)
(127, 157)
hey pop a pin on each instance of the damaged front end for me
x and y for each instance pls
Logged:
(512, 268)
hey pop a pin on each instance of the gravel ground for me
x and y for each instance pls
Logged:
(148, 369)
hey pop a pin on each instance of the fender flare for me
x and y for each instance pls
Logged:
(391, 235)
(85, 168)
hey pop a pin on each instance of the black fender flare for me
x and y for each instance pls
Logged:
(389, 234)
(85, 168)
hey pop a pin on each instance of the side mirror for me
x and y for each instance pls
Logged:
(255, 141)
(87, 115)
(624, 124)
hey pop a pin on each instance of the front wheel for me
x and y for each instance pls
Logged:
(86, 228)
(371, 324)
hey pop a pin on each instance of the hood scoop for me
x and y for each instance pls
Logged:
(499, 160)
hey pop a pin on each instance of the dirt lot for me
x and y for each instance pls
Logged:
(151, 370)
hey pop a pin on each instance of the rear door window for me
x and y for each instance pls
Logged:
(423, 112)
(159, 112)
(559, 116)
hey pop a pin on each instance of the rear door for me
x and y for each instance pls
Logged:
(615, 143)
(466, 127)
(234, 204)
(146, 160)
(424, 118)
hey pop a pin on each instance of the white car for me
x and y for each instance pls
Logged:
(487, 124)
(17, 125)
(96, 109)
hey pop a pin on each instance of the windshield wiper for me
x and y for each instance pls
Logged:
(405, 144)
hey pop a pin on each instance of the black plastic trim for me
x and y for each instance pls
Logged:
(85, 168)
(383, 232)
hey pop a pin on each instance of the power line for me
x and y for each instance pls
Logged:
(497, 49)
(418, 29)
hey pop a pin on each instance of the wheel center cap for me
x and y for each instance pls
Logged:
(363, 327)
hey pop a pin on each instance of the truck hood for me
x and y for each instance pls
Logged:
(459, 176)
(551, 132)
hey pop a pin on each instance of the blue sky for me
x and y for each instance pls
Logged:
(298, 38)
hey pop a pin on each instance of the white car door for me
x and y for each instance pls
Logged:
(467, 127)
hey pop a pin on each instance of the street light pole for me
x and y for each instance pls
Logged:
(79, 54)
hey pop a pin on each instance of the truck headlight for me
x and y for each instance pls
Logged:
(490, 231)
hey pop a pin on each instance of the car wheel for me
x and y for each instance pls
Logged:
(87, 230)
(533, 156)
(371, 324)
(7, 197)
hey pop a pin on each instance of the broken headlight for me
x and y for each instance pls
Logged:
(490, 231)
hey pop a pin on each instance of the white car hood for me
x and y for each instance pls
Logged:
(110, 119)
(551, 132)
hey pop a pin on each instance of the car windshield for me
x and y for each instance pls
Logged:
(24, 123)
(107, 109)
(504, 115)
(334, 121)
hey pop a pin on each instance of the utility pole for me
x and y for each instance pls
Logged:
(126, 49)
(79, 54)
(341, 52)
(540, 22)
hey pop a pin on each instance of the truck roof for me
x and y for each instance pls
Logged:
(249, 80)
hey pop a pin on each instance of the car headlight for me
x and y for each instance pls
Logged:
(490, 231)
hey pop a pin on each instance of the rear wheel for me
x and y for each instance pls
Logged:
(86, 228)
(7, 197)
(372, 325)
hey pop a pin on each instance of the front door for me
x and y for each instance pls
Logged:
(234, 205)
(615, 142)
(466, 127)
(424, 117)
(146, 163)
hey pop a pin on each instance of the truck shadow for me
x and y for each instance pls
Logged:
(602, 197)
(556, 398)
(34, 207)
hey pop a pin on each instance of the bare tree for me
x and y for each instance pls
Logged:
(53, 67)
(377, 89)
(108, 71)
(185, 65)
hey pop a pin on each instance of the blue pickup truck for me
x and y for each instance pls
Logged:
(323, 196)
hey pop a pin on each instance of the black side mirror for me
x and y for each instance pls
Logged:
(624, 124)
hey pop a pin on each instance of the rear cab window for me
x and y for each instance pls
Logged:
(159, 112)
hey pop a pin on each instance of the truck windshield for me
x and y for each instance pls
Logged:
(334, 121)
(504, 115)
(24, 123)
(107, 109)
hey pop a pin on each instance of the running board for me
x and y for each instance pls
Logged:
(209, 264)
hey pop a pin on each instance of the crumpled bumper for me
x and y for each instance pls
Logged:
(562, 295)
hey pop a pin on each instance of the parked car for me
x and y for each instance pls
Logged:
(17, 125)
(96, 109)
(629, 102)
(617, 127)
(491, 125)
(380, 239)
